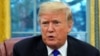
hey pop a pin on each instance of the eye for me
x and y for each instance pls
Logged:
(45, 22)
(56, 22)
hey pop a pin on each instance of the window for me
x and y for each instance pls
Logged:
(24, 18)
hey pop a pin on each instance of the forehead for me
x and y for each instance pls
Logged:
(52, 15)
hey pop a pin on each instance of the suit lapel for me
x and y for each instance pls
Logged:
(71, 50)
(41, 49)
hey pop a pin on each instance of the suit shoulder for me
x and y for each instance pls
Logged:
(81, 45)
(28, 41)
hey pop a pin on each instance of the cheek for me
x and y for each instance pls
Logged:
(62, 35)
(63, 30)
(43, 31)
(41, 28)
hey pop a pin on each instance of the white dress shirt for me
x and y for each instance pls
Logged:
(62, 50)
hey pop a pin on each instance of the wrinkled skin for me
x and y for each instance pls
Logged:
(54, 29)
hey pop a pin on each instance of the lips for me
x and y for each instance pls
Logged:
(51, 37)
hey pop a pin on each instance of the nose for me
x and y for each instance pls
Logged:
(50, 28)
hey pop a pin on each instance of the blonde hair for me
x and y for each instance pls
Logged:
(55, 7)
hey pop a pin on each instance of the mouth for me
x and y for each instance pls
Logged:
(51, 37)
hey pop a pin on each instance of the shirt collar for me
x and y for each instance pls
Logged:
(62, 50)
(49, 50)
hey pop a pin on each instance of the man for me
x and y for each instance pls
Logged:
(55, 20)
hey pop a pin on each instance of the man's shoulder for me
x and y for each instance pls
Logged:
(81, 45)
(29, 40)
(78, 42)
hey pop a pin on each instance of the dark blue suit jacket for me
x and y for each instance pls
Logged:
(35, 47)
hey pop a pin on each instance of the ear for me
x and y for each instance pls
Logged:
(70, 25)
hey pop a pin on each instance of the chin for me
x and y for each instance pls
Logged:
(52, 45)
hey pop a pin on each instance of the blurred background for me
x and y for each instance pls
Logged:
(19, 19)
(24, 18)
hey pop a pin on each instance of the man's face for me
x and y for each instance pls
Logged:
(54, 28)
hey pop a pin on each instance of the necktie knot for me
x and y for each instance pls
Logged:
(55, 52)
